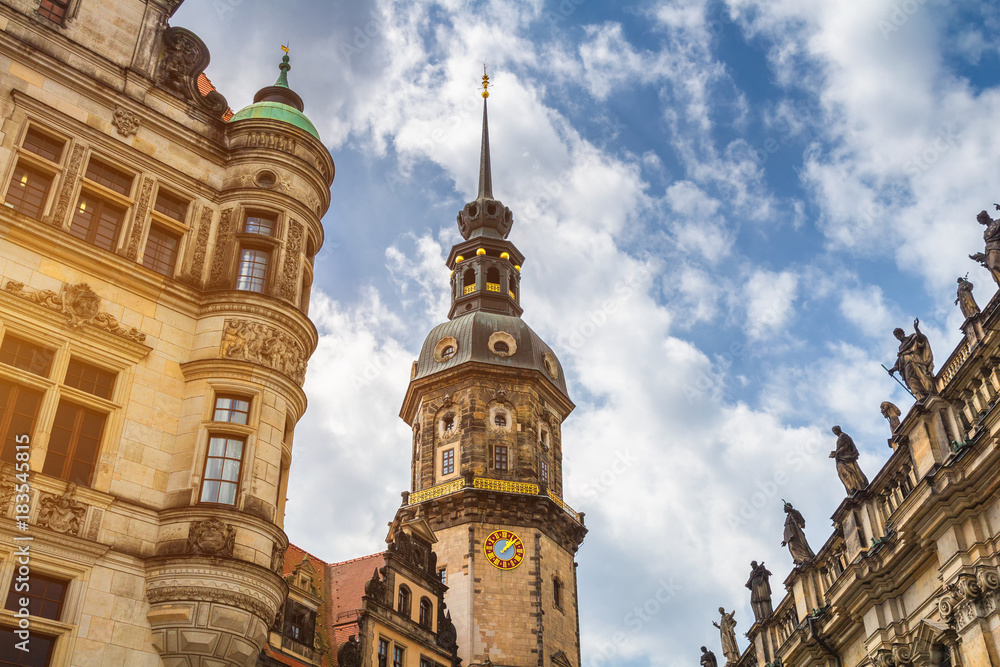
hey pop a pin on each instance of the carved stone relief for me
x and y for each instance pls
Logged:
(290, 271)
(126, 122)
(266, 345)
(193, 277)
(278, 558)
(192, 593)
(72, 171)
(970, 597)
(62, 514)
(140, 218)
(184, 58)
(223, 242)
(272, 140)
(211, 538)
(79, 304)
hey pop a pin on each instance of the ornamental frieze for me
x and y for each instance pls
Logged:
(264, 344)
(62, 514)
(79, 304)
(236, 599)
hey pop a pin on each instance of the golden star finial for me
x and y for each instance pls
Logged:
(486, 82)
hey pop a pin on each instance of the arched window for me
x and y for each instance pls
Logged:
(425, 612)
(449, 423)
(512, 288)
(403, 601)
(493, 279)
(469, 282)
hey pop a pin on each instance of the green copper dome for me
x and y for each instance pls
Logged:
(278, 102)
(276, 111)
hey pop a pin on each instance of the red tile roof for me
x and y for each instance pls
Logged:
(205, 87)
(345, 588)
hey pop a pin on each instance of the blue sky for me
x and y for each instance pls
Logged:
(726, 208)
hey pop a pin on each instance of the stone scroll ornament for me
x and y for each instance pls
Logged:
(79, 304)
(62, 514)
(266, 345)
(183, 59)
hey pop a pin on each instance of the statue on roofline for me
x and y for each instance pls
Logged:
(848, 469)
(891, 413)
(965, 300)
(708, 658)
(915, 362)
(760, 591)
(727, 631)
(795, 537)
(991, 258)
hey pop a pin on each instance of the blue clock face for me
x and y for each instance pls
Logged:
(504, 549)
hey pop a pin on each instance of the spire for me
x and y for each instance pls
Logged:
(485, 174)
(281, 92)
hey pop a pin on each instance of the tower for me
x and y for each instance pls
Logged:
(486, 401)
(155, 266)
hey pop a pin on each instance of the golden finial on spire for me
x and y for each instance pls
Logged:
(285, 48)
(486, 82)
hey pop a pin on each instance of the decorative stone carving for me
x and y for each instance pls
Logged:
(211, 538)
(411, 552)
(223, 242)
(80, 305)
(194, 276)
(8, 487)
(970, 597)
(62, 514)
(891, 413)
(447, 636)
(272, 140)
(183, 60)
(266, 345)
(915, 362)
(94, 529)
(69, 184)
(126, 122)
(375, 588)
(290, 271)
(140, 218)
(349, 654)
(278, 558)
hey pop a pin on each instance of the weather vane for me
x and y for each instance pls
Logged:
(486, 82)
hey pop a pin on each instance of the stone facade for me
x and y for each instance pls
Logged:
(910, 574)
(124, 321)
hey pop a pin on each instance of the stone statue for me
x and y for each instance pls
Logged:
(795, 537)
(708, 658)
(727, 631)
(760, 591)
(991, 258)
(965, 300)
(349, 654)
(915, 361)
(892, 413)
(848, 469)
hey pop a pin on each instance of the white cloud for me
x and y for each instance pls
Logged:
(770, 297)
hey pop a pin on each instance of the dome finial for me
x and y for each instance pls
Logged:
(284, 67)
(486, 82)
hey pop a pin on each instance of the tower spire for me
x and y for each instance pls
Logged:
(485, 173)
(281, 92)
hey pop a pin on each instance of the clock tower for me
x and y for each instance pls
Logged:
(486, 402)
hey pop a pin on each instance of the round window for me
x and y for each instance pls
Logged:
(502, 344)
(448, 352)
(501, 347)
(445, 349)
(500, 420)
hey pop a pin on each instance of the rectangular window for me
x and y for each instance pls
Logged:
(27, 356)
(397, 656)
(45, 596)
(253, 270)
(448, 462)
(18, 410)
(161, 251)
(97, 222)
(443, 575)
(55, 11)
(231, 409)
(109, 177)
(424, 662)
(43, 145)
(75, 443)
(10, 655)
(383, 653)
(90, 379)
(500, 457)
(260, 223)
(222, 470)
(545, 471)
(300, 623)
(28, 190)
(171, 206)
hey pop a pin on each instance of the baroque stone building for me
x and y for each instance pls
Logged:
(911, 573)
(155, 266)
